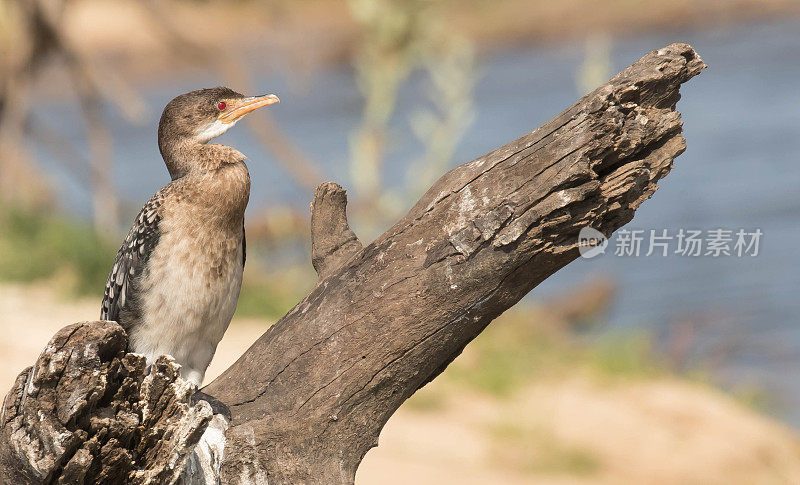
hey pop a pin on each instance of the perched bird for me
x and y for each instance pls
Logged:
(176, 279)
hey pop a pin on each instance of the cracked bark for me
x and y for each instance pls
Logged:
(310, 397)
(87, 412)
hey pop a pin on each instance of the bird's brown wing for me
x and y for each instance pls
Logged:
(131, 260)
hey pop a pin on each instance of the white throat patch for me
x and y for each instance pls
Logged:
(214, 130)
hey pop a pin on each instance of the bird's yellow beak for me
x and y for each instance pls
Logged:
(235, 109)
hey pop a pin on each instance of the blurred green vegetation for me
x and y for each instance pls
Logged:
(754, 397)
(526, 346)
(516, 350)
(37, 245)
(272, 294)
(630, 353)
(532, 450)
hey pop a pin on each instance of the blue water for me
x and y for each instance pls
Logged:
(741, 170)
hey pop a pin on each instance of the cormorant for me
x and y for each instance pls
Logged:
(176, 279)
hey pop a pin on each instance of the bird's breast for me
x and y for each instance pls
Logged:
(189, 294)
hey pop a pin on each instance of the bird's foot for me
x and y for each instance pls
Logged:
(217, 406)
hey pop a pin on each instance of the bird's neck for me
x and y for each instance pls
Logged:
(186, 157)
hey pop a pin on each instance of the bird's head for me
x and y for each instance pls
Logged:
(196, 117)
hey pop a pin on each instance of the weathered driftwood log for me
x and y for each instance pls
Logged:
(310, 397)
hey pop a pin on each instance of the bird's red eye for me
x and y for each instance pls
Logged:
(221, 105)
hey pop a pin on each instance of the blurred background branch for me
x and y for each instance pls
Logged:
(400, 37)
(33, 37)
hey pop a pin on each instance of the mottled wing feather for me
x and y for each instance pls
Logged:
(131, 260)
